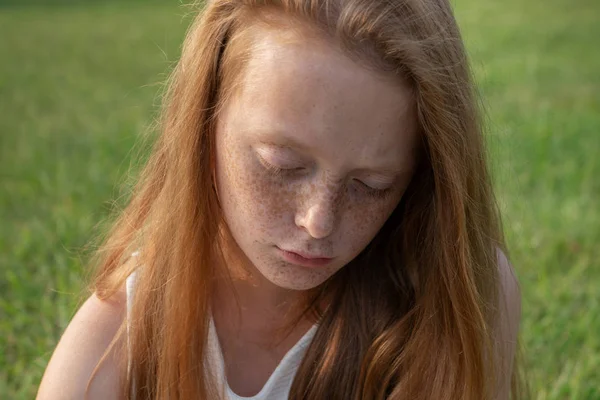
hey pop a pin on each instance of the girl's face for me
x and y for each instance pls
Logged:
(313, 153)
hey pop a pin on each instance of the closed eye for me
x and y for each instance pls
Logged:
(276, 170)
(372, 191)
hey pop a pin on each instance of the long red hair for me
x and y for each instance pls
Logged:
(418, 322)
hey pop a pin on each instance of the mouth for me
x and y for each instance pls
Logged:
(304, 260)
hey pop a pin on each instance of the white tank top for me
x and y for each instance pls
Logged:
(279, 383)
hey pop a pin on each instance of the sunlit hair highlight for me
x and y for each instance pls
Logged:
(413, 316)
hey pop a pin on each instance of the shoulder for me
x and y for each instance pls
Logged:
(509, 295)
(84, 342)
(507, 323)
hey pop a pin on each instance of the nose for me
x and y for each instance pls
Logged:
(318, 214)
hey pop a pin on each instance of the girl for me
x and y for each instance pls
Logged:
(316, 221)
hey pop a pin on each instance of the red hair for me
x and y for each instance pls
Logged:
(419, 322)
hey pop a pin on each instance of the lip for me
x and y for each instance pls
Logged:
(304, 260)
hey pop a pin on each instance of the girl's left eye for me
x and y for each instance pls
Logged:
(371, 191)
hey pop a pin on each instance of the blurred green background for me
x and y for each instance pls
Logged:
(80, 82)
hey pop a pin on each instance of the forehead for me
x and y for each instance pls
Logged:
(304, 89)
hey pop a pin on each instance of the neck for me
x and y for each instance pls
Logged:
(254, 303)
(247, 304)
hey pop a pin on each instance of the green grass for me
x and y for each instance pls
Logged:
(79, 84)
(539, 70)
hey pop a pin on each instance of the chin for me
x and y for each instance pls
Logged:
(299, 286)
(296, 278)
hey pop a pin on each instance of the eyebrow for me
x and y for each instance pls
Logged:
(282, 141)
(385, 171)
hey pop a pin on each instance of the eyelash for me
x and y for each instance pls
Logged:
(287, 172)
(375, 193)
(276, 171)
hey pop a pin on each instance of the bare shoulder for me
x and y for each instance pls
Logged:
(510, 294)
(82, 345)
(507, 329)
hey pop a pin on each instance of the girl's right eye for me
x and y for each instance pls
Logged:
(279, 171)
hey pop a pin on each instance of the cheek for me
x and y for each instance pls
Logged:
(273, 201)
(362, 222)
(249, 196)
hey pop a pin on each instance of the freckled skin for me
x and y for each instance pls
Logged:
(348, 120)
